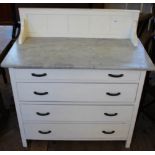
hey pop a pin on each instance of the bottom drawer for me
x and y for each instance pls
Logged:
(76, 131)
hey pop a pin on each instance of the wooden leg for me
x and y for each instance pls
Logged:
(24, 142)
(127, 144)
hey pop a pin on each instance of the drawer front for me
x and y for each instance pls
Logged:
(76, 113)
(76, 92)
(76, 131)
(65, 75)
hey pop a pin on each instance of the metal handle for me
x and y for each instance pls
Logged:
(107, 114)
(44, 132)
(40, 93)
(108, 132)
(116, 75)
(42, 114)
(113, 94)
(39, 75)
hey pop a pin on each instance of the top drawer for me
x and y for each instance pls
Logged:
(71, 75)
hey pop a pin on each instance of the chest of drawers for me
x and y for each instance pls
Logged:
(77, 74)
(63, 104)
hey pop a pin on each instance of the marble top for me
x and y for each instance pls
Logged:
(78, 53)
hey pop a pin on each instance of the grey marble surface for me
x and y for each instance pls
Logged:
(78, 53)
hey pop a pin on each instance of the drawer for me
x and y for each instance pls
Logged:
(70, 75)
(75, 131)
(77, 92)
(76, 113)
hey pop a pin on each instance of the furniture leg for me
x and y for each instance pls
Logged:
(127, 143)
(24, 142)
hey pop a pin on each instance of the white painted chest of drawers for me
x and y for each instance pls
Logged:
(58, 104)
(77, 74)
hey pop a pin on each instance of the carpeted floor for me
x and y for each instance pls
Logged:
(143, 137)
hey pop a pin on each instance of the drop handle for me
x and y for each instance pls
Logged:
(110, 114)
(108, 132)
(42, 114)
(113, 94)
(116, 75)
(40, 93)
(39, 75)
(44, 132)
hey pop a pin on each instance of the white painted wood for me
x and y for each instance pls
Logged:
(119, 26)
(37, 25)
(76, 92)
(78, 25)
(98, 26)
(133, 37)
(94, 112)
(76, 131)
(85, 23)
(23, 31)
(77, 103)
(135, 109)
(19, 116)
(57, 25)
(76, 113)
(70, 75)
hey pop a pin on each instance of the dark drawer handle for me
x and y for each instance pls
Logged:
(114, 114)
(44, 132)
(39, 93)
(116, 75)
(108, 132)
(39, 75)
(113, 94)
(42, 114)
